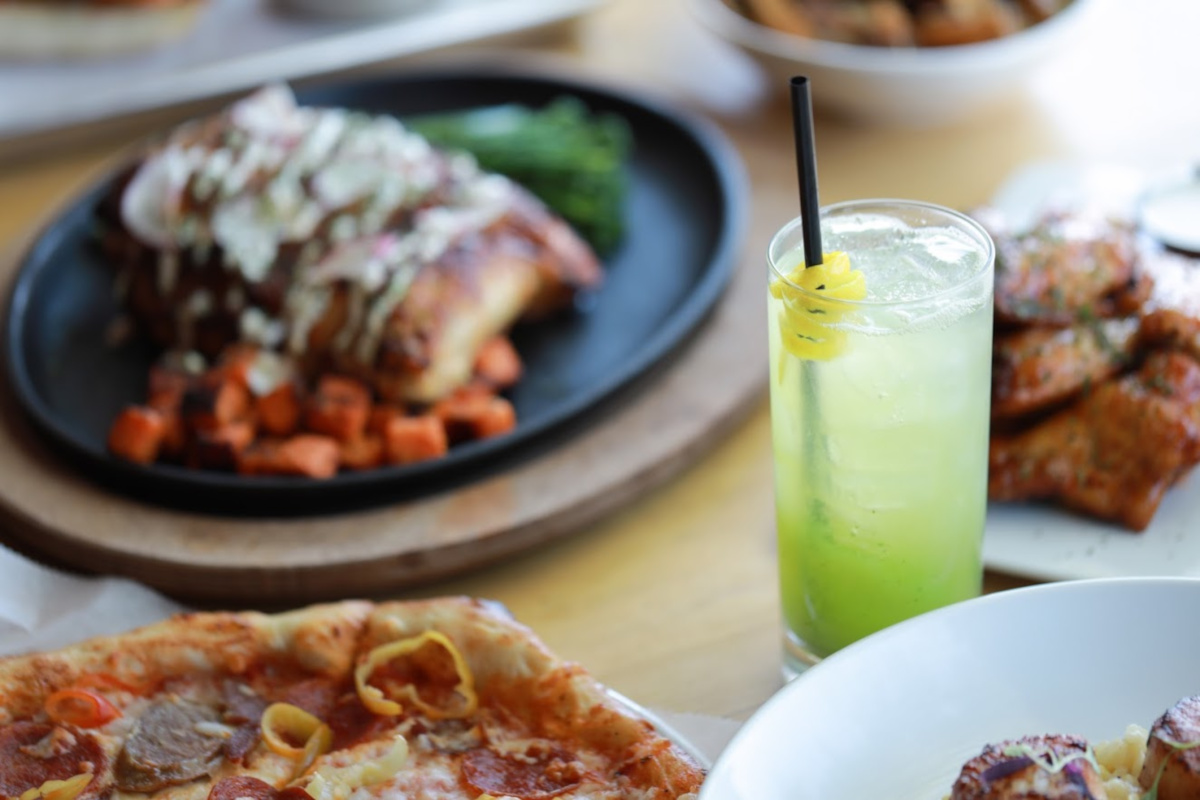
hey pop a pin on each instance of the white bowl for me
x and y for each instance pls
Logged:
(915, 87)
(898, 713)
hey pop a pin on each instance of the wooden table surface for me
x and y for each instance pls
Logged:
(672, 600)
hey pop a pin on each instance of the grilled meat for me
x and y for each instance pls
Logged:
(1031, 768)
(1035, 369)
(339, 238)
(1068, 269)
(1113, 453)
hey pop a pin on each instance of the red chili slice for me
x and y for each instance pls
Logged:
(492, 773)
(82, 708)
(32, 753)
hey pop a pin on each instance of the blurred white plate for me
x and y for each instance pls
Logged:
(240, 44)
(1044, 542)
(898, 713)
(906, 87)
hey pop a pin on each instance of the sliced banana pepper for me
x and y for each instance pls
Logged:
(374, 698)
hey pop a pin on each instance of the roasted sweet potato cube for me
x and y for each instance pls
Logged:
(219, 448)
(236, 362)
(497, 363)
(306, 455)
(498, 417)
(214, 402)
(472, 413)
(381, 415)
(363, 453)
(279, 410)
(137, 434)
(339, 408)
(410, 439)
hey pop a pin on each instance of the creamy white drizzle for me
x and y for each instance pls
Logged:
(277, 173)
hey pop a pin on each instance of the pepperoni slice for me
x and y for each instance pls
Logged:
(352, 722)
(530, 778)
(244, 709)
(32, 753)
(242, 786)
(315, 695)
(253, 789)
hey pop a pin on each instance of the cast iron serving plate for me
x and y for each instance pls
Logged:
(684, 217)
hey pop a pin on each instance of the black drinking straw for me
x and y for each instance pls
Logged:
(806, 169)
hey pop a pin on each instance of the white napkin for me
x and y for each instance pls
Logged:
(43, 609)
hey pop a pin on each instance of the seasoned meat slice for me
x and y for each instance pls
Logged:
(1066, 269)
(1030, 768)
(1113, 453)
(173, 742)
(1170, 329)
(1037, 368)
(1173, 753)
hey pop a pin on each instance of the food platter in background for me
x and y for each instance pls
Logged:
(1049, 543)
(905, 87)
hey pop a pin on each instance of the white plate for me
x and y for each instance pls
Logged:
(895, 715)
(1040, 541)
(243, 43)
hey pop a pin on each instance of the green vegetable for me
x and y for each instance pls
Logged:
(570, 158)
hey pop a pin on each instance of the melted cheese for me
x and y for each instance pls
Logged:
(338, 783)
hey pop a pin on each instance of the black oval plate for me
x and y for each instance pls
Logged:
(684, 215)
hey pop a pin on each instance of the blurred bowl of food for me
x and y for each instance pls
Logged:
(906, 63)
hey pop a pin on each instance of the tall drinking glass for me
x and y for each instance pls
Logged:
(879, 417)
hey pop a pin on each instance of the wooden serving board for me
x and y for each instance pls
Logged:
(655, 429)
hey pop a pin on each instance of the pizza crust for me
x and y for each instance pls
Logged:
(320, 637)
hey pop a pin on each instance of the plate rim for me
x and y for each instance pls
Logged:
(729, 180)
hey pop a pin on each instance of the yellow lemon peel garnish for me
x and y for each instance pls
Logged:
(374, 699)
(806, 316)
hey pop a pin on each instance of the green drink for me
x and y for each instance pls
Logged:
(879, 412)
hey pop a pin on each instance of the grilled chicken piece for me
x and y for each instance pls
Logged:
(339, 238)
(1170, 329)
(1173, 753)
(1113, 453)
(1037, 368)
(1030, 768)
(525, 266)
(1068, 269)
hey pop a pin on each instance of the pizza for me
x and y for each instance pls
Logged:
(443, 698)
